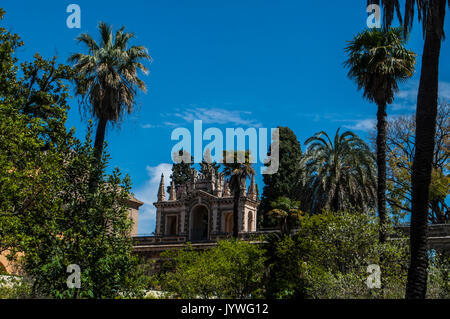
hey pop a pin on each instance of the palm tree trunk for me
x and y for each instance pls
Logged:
(98, 151)
(416, 286)
(381, 163)
(237, 198)
(100, 138)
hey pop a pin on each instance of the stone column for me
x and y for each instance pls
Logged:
(158, 221)
(241, 217)
(214, 216)
(182, 219)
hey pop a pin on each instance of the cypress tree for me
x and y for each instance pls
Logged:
(181, 172)
(286, 181)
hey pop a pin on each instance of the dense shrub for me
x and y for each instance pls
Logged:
(328, 258)
(233, 269)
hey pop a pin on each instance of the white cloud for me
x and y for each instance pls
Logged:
(444, 91)
(317, 117)
(403, 106)
(365, 124)
(148, 194)
(171, 124)
(408, 94)
(217, 116)
(362, 125)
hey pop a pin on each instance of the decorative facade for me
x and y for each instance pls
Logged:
(202, 209)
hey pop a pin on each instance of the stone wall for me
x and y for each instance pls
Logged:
(438, 236)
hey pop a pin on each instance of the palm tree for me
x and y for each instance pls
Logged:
(377, 61)
(287, 211)
(109, 79)
(432, 15)
(338, 176)
(237, 167)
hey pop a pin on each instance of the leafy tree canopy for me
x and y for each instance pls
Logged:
(48, 219)
(181, 172)
(338, 174)
(285, 182)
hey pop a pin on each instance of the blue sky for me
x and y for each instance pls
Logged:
(228, 63)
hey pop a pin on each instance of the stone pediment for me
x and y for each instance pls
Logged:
(198, 192)
(192, 196)
(200, 197)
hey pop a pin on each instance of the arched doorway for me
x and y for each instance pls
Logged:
(250, 222)
(199, 229)
(228, 223)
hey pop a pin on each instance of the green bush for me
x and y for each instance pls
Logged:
(439, 276)
(12, 287)
(49, 217)
(233, 269)
(328, 258)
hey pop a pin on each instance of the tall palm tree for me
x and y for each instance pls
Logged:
(287, 211)
(377, 61)
(432, 15)
(238, 171)
(339, 175)
(109, 78)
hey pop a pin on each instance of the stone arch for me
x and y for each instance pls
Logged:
(228, 224)
(199, 223)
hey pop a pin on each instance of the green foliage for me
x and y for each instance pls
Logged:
(237, 167)
(8, 44)
(339, 174)
(15, 287)
(287, 212)
(181, 172)
(109, 72)
(233, 269)
(377, 61)
(328, 258)
(439, 276)
(48, 218)
(48, 214)
(108, 80)
(285, 182)
(400, 151)
(425, 11)
(90, 230)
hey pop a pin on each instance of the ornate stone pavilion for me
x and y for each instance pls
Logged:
(202, 209)
(200, 212)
